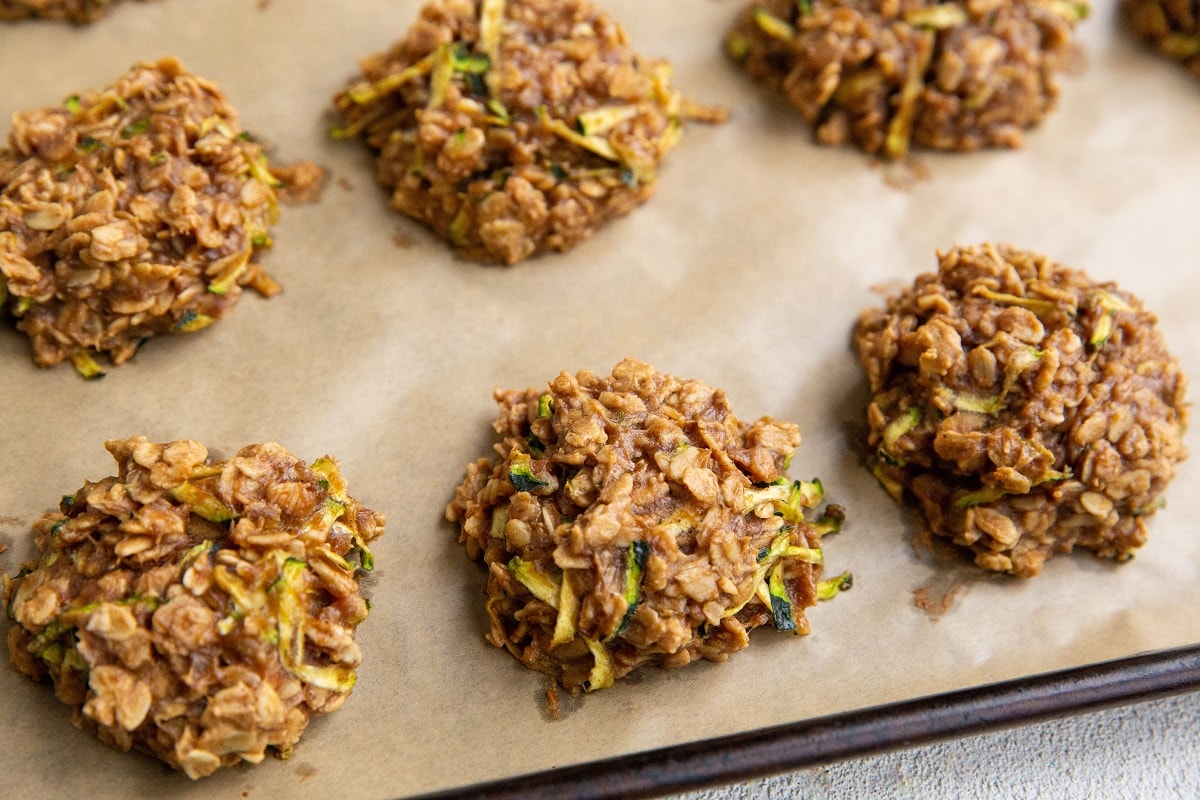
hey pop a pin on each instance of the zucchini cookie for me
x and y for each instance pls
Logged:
(633, 519)
(1028, 408)
(1172, 27)
(513, 127)
(201, 611)
(77, 11)
(891, 74)
(130, 212)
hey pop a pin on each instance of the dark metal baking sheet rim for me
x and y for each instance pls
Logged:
(857, 733)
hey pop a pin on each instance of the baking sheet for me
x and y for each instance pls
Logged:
(746, 270)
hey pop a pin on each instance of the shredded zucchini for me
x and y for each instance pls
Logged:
(900, 426)
(1018, 364)
(737, 46)
(809, 555)
(782, 610)
(1110, 304)
(499, 522)
(363, 93)
(979, 497)
(939, 17)
(228, 277)
(443, 73)
(827, 590)
(766, 560)
(773, 26)
(602, 120)
(1036, 305)
(491, 18)
(202, 503)
(1076, 11)
(192, 321)
(894, 488)
(1102, 332)
(977, 404)
(85, 365)
(635, 569)
(595, 144)
(831, 521)
(568, 614)
(1180, 46)
(289, 598)
(601, 676)
(520, 473)
(899, 132)
(789, 500)
(229, 582)
(541, 586)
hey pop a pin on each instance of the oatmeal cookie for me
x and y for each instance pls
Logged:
(201, 611)
(129, 212)
(890, 74)
(513, 127)
(1172, 27)
(633, 519)
(77, 11)
(1028, 408)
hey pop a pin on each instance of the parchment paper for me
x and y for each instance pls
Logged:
(746, 270)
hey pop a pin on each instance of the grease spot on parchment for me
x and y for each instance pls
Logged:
(952, 579)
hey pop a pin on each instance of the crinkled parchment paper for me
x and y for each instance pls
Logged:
(746, 270)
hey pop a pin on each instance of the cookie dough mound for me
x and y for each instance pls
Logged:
(634, 519)
(198, 610)
(130, 212)
(513, 127)
(77, 11)
(889, 74)
(1026, 407)
(1172, 27)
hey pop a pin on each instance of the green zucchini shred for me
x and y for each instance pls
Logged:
(192, 321)
(827, 590)
(520, 474)
(86, 366)
(939, 17)
(897, 428)
(568, 614)
(1037, 306)
(541, 586)
(831, 521)
(136, 127)
(600, 121)
(766, 560)
(499, 522)
(809, 555)
(988, 494)
(635, 570)
(202, 503)
(536, 446)
(601, 676)
(773, 26)
(288, 595)
(782, 611)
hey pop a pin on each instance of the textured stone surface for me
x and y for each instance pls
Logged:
(1144, 751)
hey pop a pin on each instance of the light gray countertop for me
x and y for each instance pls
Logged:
(1145, 751)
